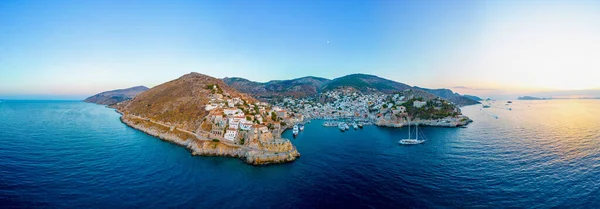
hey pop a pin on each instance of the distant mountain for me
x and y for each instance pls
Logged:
(299, 87)
(474, 98)
(365, 84)
(447, 94)
(180, 102)
(530, 98)
(313, 86)
(116, 96)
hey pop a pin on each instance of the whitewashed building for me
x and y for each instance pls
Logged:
(419, 104)
(230, 134)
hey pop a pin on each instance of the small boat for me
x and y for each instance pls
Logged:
(411, 141)
(509, 102)
(360, 125)
(301, 127)
(295, 130)
(346, 126)
(341, 127)
(354, 125)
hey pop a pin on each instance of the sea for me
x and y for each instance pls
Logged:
(528, 154)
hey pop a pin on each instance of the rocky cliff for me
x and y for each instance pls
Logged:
(209, 147)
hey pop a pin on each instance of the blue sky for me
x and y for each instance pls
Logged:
(71, 49)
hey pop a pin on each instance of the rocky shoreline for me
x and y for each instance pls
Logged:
(201, 147)
(448, 122)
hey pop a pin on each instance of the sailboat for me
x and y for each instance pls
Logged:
(410, 140)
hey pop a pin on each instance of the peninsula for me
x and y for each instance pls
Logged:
(116, 96)
(209, 118)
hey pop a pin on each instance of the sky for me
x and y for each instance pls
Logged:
(72, 49)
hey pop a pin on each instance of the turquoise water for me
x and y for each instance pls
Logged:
(72, 154)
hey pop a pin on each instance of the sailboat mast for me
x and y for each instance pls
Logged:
(408, 126)
(417, 132)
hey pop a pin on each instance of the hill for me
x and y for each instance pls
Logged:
(180, 102)
(116, 96)
(365, 84)
(447, 94)
(474, 98)
(299, 87)
(313, 86)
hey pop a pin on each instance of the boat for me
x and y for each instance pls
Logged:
(341, 126)
(354, 125)
(346, 126)
(411, 141)
(360, 125)
(509, 102)
(301, 127)
(295, 130)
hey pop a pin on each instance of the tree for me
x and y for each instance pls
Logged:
(274, 116)
(384, 106)
(248, 117)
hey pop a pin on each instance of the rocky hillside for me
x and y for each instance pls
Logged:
(299, 87)
(116, 96)
(365, 84)
(313, 86)
(447, 94)
(180, 102)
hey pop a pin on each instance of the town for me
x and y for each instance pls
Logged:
(261, 124)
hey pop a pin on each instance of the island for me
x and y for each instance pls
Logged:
(531, 98)
(222, 117)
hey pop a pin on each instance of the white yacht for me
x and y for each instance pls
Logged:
(410, 140)
(342, 126)
(301, 127)
(295, 130)
(354, 125)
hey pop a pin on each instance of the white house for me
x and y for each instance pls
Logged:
(210, 107)
(231, 111)
(419, 104)
(230, 134)
(246, 126)
(239, 113)
(234, 123)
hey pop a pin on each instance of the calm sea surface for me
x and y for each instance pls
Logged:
(71, 154)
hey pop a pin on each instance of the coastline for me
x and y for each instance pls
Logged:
(205, 147)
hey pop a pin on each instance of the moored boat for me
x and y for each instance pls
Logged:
(341, 126)
(295, 130)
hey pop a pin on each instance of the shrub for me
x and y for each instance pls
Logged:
(215, 140)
